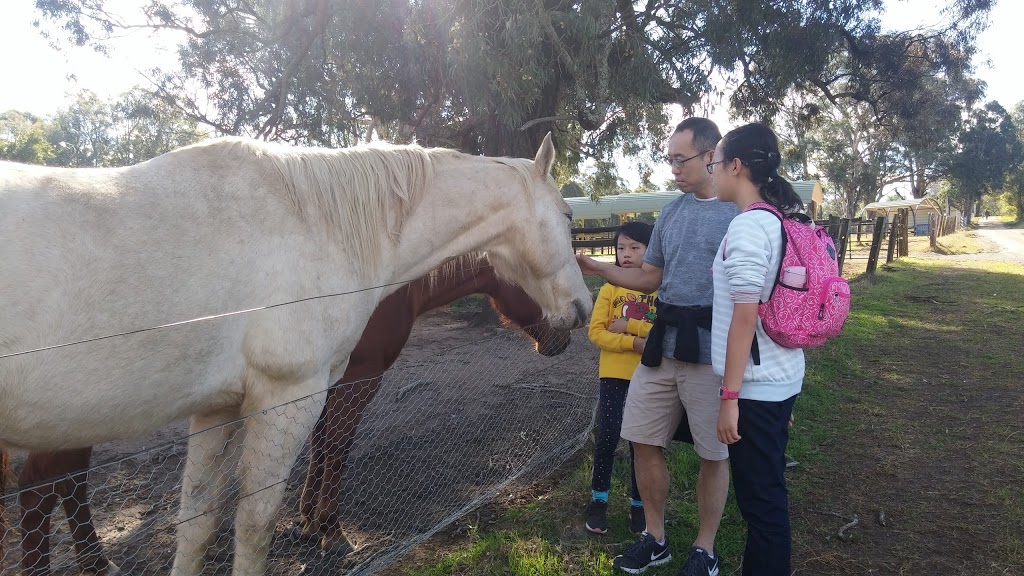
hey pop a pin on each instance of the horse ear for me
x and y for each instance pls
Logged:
(545, 157)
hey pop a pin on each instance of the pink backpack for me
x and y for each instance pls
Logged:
(805, 317)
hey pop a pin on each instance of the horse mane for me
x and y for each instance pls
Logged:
(355, 193)
(352, 193)
(456, 267)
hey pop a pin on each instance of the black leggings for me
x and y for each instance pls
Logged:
(611, 400)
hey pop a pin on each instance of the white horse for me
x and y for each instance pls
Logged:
(234, 224)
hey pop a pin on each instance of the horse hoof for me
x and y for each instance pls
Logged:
(330, 560)
(338, 548)
(296, 535)
(110, 569)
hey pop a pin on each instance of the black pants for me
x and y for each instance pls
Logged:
(758, 463)
(611, 400)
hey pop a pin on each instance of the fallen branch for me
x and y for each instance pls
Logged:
(405, 390)
(846, 537)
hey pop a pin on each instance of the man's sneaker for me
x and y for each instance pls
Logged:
(643, 554)
(699, 563)
(637, 520)
(597, 517)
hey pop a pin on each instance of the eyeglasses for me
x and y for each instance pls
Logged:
(711, 166)
(677, 162)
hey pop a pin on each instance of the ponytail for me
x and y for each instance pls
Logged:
(757, 147)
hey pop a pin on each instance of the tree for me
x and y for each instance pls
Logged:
(856, 158)
(144, 126)
(23, 138)
(603, 180)
(987, 151)
(494, 76)
(572, 190)
(1015, 177)
(81, 133)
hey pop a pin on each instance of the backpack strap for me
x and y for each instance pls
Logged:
(785, 239)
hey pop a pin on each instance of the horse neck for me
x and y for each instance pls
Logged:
(458, 214)
(469, 277)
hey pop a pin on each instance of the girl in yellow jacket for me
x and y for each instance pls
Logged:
(619, 326)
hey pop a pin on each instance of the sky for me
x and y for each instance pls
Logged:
(40, 79)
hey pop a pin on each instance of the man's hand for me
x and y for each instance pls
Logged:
(619, 326)
(588, 265)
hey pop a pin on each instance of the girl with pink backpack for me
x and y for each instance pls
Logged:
(761, 377)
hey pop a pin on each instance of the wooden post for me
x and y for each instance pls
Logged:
(933, 224)
(833, 228)
(844, 237)
(893, 235)
(905, 238)
(876, 244)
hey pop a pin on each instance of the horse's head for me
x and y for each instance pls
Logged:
(537, 252)
(515, 307)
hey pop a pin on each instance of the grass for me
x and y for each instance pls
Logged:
(963, 242)
(909, 419)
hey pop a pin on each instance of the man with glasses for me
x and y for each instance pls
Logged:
(675, 377)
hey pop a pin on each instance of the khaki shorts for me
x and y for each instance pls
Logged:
(657, 398)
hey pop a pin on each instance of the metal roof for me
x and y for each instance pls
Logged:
(584, 209)
(807, 190)
(913, 203)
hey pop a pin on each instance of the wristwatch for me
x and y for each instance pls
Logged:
(726, 394)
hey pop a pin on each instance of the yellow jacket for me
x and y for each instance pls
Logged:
(618, 360)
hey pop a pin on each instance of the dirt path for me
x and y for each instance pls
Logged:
(1009, 240)
(926, 431)
(1004, 244)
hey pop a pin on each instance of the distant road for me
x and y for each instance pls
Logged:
(1009, 240)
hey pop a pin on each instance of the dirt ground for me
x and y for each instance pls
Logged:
(468, 413)
(925, 469)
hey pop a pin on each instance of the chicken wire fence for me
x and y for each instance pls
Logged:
(438, 439)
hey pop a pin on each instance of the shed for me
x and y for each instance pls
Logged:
(921, 210)
(811, 195)
(585, 209)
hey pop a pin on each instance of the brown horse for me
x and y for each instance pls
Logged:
(379, 347)
(63, 473)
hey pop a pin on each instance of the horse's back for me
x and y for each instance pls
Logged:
(93, 252)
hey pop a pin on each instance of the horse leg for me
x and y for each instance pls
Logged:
(274, 434)
(37, 504)
(211, 458)
(309, 525)
(75, 494)
(346, 408)
(5, 470)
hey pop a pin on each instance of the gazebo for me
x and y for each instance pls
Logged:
(921, 210)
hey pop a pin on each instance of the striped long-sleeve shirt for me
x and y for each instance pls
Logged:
(744, 271)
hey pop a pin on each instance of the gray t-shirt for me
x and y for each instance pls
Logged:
(684, 244)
